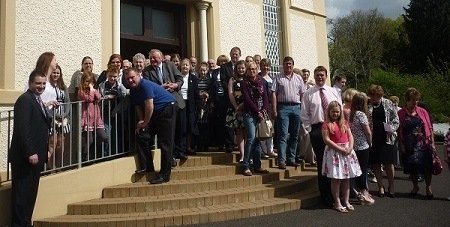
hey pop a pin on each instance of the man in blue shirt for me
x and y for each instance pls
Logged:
(156, 114)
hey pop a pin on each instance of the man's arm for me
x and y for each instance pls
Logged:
(145, 115)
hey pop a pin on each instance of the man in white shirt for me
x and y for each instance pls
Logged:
(339, 83)
(314, 103)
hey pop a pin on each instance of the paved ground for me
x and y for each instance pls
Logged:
(399, 211)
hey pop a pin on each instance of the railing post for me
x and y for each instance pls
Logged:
(80, 159)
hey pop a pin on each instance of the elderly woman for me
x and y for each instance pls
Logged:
(384, 122)
(256, 105)
(416, 141)
(139, 62)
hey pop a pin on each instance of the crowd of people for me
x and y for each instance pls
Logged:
(192, 106)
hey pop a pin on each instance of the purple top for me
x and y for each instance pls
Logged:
(254, 96)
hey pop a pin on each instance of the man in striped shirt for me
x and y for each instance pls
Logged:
(288, 89)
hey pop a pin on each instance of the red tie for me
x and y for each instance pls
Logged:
(324, 100)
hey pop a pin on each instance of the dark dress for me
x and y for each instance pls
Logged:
(417, 154)
(381, 153)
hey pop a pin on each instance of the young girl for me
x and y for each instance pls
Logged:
(235, 113)
(359, 125)
(60, 125)
(91, 118)
(339, 160)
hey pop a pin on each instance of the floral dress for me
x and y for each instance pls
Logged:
(234, 119)
(417, 155)
(336, 165)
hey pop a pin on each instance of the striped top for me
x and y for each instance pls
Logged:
(288, 90)
(203, 84)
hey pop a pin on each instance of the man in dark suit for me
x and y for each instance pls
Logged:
(166, 74)
(29, 149)
(219, 96)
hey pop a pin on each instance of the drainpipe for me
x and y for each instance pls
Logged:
(116, 27)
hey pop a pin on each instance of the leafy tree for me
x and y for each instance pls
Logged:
(427, 23)
(395, 41)
(355, 45)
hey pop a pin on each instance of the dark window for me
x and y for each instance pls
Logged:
(145, 25)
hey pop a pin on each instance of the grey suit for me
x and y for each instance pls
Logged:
(170, 75)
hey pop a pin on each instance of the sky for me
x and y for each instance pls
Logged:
(389, 8)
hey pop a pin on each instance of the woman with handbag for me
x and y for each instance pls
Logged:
(416, 141)
(256, 104)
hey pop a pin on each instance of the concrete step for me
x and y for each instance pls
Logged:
(185, 216)
(141, 189)
(192, 200)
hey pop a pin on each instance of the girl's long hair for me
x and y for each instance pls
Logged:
(340, 120)
(60, 82)
(359, 103)
(236, 76)
(86, 79)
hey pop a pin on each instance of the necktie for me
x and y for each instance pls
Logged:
(42, 105)
(160, 75)
(323, 100)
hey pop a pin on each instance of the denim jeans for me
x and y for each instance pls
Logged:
(252, 146)
(288, 125)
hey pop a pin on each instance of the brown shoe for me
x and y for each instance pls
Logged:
(247, 173)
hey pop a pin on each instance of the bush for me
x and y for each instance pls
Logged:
(433, 88)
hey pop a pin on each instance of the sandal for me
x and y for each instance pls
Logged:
(341, 209)
(350, 207)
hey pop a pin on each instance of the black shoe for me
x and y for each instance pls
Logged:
(420, 179)
(282, 166)
(174, 163)
(159, 180)
(292, 164)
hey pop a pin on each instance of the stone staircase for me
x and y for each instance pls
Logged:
(205, 188)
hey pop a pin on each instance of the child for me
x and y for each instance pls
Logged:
(234, 117)
(203, 108)
(91, 119)
(113, 92)
(339, 160)
(359, 125)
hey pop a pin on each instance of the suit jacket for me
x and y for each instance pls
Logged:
(171, 75)
(226, 72)
(213, 93)
(193, 98)
(31, 130)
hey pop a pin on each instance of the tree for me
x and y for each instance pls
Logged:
(355, 45)
(427, 23)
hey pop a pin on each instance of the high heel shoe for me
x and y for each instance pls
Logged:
(381, 192)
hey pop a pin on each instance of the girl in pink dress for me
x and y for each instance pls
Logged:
(91, 118)
(339, 159)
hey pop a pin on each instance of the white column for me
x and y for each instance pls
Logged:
(116, 27)
(202, 7)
